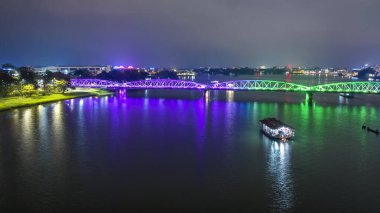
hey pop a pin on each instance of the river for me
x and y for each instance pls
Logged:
(174, 150)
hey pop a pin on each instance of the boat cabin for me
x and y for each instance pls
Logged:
(276, 129)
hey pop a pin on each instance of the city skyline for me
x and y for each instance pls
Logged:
(190, 34)
(189, 106)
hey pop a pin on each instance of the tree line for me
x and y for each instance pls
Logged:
(24, 82)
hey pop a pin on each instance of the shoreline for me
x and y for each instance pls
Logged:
(18, 102)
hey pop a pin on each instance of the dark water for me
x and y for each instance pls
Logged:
(146, 151)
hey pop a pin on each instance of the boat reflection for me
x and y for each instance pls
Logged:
(281, 185)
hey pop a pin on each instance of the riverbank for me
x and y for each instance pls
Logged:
(16, 102)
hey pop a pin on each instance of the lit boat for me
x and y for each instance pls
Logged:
(276, 129)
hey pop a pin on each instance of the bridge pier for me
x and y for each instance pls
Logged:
(309, 97)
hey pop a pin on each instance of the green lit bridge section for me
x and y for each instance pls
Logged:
(349, 87)
(249, 85)
(263, 85)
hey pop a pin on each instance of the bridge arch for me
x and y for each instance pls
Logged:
(254, 85)
(163, 84)
(94, 83)
(351, 87)
(264, 85)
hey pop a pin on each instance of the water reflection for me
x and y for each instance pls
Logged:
(343, 100)
(142, 134)
(27, 136)
(58, 127)
(230, 95)
(279, 174)
(26, 125)
(206, 96)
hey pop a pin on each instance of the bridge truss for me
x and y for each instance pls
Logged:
(164, 84)
(94, 83)
(251, 85)
(265, 85)
(350, 87)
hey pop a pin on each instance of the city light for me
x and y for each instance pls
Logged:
(119, 67)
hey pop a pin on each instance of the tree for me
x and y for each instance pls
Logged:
(6, 83)
(60, 76)
(61, 85)
(122, 75)
(27, 74)
(28, 90)
(48, 89)
(83, 74)
(8, 66)
(105, 76)
(47, 78)
(167, 74)
(50, 79)
(5, 78)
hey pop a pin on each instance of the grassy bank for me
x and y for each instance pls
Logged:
(15, 102)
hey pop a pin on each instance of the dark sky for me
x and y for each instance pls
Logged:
(190, 32)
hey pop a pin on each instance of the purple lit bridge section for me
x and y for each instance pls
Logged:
(249, 85)
(163, 84)
(264, 85)
(146, 84)
(94, 83)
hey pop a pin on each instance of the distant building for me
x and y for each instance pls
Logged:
(11, 71)
(7, 69)
(185, 72)
(71, 69)
(369, 74)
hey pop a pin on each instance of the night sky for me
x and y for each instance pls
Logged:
(190, 33)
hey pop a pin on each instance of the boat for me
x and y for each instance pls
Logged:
(365, 127)
(346, 95)
(276, 129)
(373, 130)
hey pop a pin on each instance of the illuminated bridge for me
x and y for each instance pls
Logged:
(146, 84)
(249, 85)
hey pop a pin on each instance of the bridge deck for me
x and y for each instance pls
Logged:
(250, 85)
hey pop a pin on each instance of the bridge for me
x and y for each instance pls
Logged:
(249, 85)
